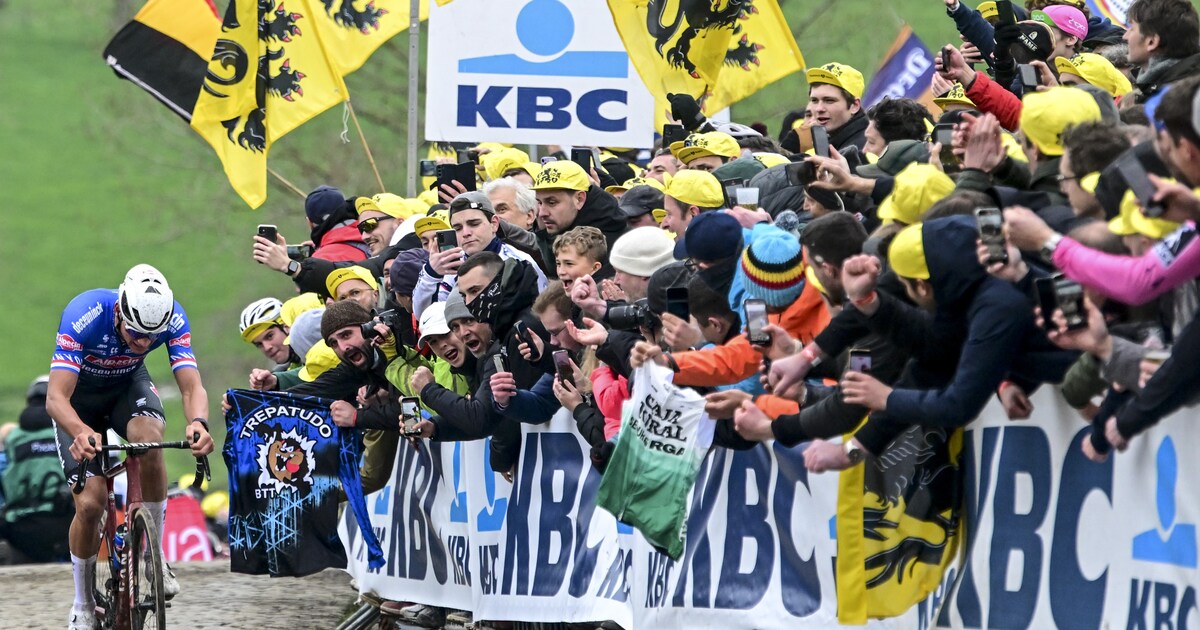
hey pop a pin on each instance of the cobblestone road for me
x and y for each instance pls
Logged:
(39, 596)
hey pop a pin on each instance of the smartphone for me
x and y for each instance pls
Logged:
(730, 187)
(548, 159)
(991, 232)
(468, 155)
(1047, 299)
(673, 133)
(562, 365)
(677, 302)
(582, 157)
(820, 140)
(526, 335)
(498, 361)
(944, 134)
(756, 321)
(428, 168)
(446, 239)
(1135, 176)
(410, 414)
(463, 173)
(946, 58)
(860, 360)
(269, 232)
(1004, 11)
(1030, 80)
(299, 252)
(801, 173)
(1070, 300)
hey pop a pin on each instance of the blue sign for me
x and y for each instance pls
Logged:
(907, 71)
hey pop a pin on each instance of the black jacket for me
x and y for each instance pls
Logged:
(599, 211)
(314, 271)
(853, 133)
(342, 381)
(1184, 68)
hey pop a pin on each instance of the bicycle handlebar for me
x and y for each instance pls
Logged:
(138, 448)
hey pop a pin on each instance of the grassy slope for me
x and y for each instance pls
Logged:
(97, 176)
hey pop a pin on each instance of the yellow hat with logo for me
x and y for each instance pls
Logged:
(956, 96)
(696, 188)
(698, 145)
(915, 190)
(988, 10)
(426, 224)
(1133, 221)
(1045, 115)
(561, 175)
(768, 159)
(393, 205)
(500, 161)
(353, 272)
(1096, 70)
(636, 181)
(303, 302)
(319, 359)
(906, 254)
(837, 74)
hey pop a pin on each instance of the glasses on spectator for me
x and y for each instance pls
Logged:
(366, 226)
(1065, 178)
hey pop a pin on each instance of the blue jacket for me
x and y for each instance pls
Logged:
(982, 332)
(535, 405)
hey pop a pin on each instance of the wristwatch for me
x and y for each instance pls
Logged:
(853, 452)
(1047, 250)
(293, 268)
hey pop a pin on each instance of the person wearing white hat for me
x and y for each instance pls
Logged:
(637, 255)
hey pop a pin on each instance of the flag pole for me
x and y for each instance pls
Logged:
(370, 158)
(286, 184)
(414, 77)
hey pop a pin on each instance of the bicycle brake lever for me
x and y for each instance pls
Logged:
(81, 471)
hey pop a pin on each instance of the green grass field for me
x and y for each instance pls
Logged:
(97, 176)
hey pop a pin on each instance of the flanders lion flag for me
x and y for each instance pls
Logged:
(719, 51)
(898, 524)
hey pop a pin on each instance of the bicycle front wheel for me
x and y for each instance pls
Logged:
(147, 601)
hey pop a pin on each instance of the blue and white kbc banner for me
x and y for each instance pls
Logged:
(533, 72)
(1054, 541)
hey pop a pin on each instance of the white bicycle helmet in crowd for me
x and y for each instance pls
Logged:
(145, 300)
(259, 316)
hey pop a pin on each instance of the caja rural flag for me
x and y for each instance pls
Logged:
(719, 51)
(898, 524)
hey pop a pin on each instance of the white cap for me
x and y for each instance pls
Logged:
(433, 322)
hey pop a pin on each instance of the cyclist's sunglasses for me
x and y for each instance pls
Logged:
(366, 226)
(138, 336)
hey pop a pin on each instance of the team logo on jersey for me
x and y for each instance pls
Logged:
(67, 342)
(113, 363)
(286, 461)
(182, 341)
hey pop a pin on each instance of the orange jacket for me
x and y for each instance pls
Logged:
(737, 359)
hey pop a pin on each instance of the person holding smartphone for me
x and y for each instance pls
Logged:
(834, 93)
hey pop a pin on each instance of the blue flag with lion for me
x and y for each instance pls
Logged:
(898, 524)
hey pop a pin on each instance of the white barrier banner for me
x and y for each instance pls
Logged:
(532, 72)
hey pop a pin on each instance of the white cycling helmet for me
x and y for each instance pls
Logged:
(259, 316)
(145, 300)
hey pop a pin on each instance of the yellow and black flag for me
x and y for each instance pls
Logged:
(268, 74)
(165, 49)
(899, 524)
(719, 51)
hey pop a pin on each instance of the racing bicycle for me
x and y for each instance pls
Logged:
(131, 596)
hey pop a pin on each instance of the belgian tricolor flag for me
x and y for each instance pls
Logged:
(165, 50)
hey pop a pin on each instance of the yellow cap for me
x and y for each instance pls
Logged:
(956, 96)
(810, 274)
(429, 198)
(1045, 115)
(906, 254)
(771, 159)
(366, 204)
(659, 215)
(988, 10)
(395, 206)
(841, 75)
(214, 503)
(353, 272)
(1096, 70)
(500, 161)
(1089, 182)
(698, 145)
(425, 224)
(1132, 221)
(186, 480)
(561, 175)
(696, 188)
(916, 188)
(303, 302)
(319, 359)
(636, 181)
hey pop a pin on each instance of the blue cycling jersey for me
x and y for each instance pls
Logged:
(88, 342)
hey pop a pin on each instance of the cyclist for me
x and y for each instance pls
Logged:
(262, 325)
(98, 380)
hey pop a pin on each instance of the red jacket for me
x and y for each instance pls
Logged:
(610, 391)
(991, 98)
(342, 244)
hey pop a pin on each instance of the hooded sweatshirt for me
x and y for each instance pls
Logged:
(982, 331)
(337, 237)
(599, 211)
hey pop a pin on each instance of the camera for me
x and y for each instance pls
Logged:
(801, 173)
(632, 316)
(388, 318)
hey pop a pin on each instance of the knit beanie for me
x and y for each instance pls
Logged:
(405, 270)
(772, 267)
(322, 202)
(642, 251)
(456, 308)
(342, 314)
